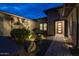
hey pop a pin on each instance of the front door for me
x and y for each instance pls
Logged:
(59, 27)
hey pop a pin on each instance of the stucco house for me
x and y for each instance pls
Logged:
(8, 20)
(42, 24)
(64, 20)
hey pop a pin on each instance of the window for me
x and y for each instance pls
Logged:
(43, 26)
(59, 24)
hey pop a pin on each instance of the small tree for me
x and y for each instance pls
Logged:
(20, 34)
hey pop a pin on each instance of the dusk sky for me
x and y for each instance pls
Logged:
(28, 10)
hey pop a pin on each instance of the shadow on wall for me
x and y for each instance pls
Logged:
(75, 50)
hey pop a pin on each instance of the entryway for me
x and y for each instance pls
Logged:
(59, 27)
(59, 31)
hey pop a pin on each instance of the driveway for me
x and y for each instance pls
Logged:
(8, 46)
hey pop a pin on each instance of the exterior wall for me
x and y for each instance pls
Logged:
(7, 23)
(77, 5)
(78, 28)
(72, 26)
(52, 17)
(42, 21)
(51, 25)
(1, 26)
(29, 24)
(14, 19)
(32, 24)
(6, 27)
(66, 27)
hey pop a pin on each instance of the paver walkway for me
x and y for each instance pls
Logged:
(58, 48)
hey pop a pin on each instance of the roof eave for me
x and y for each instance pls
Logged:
(46, 11)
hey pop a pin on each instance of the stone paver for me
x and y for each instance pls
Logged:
(58, 48)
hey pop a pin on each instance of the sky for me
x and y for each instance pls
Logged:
(28, 10)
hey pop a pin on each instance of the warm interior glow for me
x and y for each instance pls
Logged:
(41, 26)
(45, 26)
(59, 24)
(59, 31)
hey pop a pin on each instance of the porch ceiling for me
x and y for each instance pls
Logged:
(67, 8)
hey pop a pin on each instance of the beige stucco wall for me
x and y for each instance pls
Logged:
(1, 27)
(14, 19)
(6, 24)
(51, 28)
(32, 24)
(6, 27)
(72, 28)
(51, 25)
(52, 17)
(28, 23)
(77, 5)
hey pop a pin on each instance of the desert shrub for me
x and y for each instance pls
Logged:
(20, 34)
